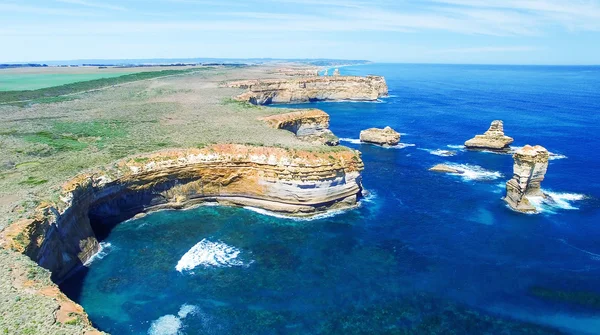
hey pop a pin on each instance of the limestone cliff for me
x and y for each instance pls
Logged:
(62, 236)
(310, 125)
(492, 139)
(268, 91)
(385, 136)
(530, 165)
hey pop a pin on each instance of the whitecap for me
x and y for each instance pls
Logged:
(319, 216)
(474, 172)
(171, 324)
(555, 201)
(456, 146)
(209, 254)
(350, 140)
(104, 249)
(440, 152)
(554, 156)
(400, 146)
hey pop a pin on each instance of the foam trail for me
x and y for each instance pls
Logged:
(209, 254)
(595, 257)
(439, 152)
(555, 200)
(105, 249)
(350, 140)
(474, 172)
(171, 324)
(319, 216)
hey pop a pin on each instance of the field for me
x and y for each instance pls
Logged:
(22, 82)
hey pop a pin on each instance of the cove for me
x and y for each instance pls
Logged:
(424, 252)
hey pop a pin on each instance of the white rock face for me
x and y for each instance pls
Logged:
(493, 139)
(385, 136)
(530, 166)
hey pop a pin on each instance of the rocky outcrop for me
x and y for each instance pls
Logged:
(385, 136)
(63, 235)
(529, 169)
(445, 169)
(493, 139)
(272, 91)
(310, 125)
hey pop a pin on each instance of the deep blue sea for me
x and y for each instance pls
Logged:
(425, 253)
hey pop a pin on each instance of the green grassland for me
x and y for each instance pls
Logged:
(34, 81)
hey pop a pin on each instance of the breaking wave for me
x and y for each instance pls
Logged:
(172, 324)
(350, 140)
(456, 146)
(357, 141)
(474, 172)
(555, 201)
(209, 254)
(319, 216)
(105, 249)
(440, 152)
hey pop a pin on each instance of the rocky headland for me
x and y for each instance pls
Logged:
(62, 236)
(310, 125)
(529, 169)
(386, 136)
(493, 139)
(334, 88)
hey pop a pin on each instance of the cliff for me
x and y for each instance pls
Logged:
(492, 139)
(267, 91)
(63, 235)
(310, 125)
(529, 169)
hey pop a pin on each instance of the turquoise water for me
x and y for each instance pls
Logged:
(424, 253)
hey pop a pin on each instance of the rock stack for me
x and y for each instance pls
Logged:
(493, 139)
(386, 136)
(529, 170)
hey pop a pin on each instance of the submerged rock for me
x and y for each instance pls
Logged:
(445, 169)
(529, 170)
(385, 136)
(492, 139)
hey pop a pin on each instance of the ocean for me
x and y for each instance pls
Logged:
(425, 252)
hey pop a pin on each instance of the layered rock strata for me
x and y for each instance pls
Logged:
(493, 139)
(310, 125)
(63, 235)
(386, 136)
(529, 169)
(272, 91)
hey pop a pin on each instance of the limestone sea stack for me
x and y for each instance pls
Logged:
(529, 169)
(493, 139)
(385, 136)
(287, 90)
(309, 125)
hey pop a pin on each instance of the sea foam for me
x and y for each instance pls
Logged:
(172, 324)
(474, 172)
(350, 140)
(209, 254)
(439, 152)
(555, 201)
(105, 249)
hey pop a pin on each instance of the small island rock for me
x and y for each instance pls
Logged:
(529, 169)
(445, 169)
(385, 136)
(493, 139)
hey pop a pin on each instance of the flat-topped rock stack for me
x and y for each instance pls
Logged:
(335, 88)
(529, 169)
(386, 136)
(493, 139)
(309, 125)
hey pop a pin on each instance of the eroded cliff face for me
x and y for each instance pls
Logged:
(493, 139)
(386, 136)
(267, 91)
(62, 236)
(309, 125)
(530, 166)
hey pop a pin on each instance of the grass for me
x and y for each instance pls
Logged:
(34, 81)
(51, 94)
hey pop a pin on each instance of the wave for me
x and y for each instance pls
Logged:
(319, 216)
(593, 256)
(350, 140)
(456, 146)
(439, 152)
(474, 172)
(401, 146)
(171, 324)
(555, 201)
(209, 254)
(105, 249)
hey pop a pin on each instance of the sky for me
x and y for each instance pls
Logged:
(409, 31)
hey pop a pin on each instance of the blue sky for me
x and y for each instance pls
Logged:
(431, 31)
